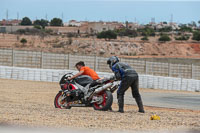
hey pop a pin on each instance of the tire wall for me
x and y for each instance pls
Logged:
(145, 81)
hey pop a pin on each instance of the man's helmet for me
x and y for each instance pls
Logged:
(112, 60)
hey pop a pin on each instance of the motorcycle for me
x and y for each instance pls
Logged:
(84, 92)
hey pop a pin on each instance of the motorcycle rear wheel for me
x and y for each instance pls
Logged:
(59, 104)
(106, 102)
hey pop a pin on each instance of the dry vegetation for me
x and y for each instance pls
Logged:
(28, 103)
(90, 46)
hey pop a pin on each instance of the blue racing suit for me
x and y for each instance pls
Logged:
(127, 75)
(129, 78)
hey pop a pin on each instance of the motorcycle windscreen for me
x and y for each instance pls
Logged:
(83, 80)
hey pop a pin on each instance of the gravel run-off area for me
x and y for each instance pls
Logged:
(31, 104)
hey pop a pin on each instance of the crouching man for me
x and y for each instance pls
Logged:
(129, 78)
(84, 70)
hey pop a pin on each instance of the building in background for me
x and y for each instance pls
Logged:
(96, 27)
(13, 22)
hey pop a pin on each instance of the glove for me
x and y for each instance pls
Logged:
(69, 78)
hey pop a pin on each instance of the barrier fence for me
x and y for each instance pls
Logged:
(145, 81)
(180, 68)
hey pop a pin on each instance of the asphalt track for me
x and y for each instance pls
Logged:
(175, 99)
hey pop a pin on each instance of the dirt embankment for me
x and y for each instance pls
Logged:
(27, 103)
(90, 46)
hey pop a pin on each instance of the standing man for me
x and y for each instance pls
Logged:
(129, 78)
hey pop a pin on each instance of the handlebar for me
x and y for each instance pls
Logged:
(65, 77)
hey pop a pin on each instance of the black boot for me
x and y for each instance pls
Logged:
(121, 104)
(140, 104)
(110, 109)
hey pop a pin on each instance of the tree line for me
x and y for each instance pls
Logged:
(145, 32)
(42, 23)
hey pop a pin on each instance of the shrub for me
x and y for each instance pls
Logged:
(185, 28)
(165, 29)
(182, 38)
(145, 38)
(48, 31)
(21, 31)
(37, 26)
(196, 36)
(127, 32)
(35, 31)
(71, 34)
(107, 35)
(164, 38)
(23, 41)
(147, 31)
(28, 31)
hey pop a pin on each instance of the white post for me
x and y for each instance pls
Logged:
(95, 63)
(13, 57)
(146, 67)
(41, 60)
(169, 69)
(68, 61)
(65, 59)
(192, 71)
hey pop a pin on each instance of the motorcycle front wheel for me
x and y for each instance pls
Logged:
(105, 102)
(58, 103)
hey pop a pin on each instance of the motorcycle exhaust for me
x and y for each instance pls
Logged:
(102, 88)
(97, 90)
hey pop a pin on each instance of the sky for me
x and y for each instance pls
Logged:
(141, 11)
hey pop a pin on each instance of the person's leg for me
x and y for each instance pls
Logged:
(120, 99)
(124, 85)
(136, 95)
(94, 82)
(110, 109)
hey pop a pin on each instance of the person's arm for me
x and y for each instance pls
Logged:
(78, 74)
(117, 71)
